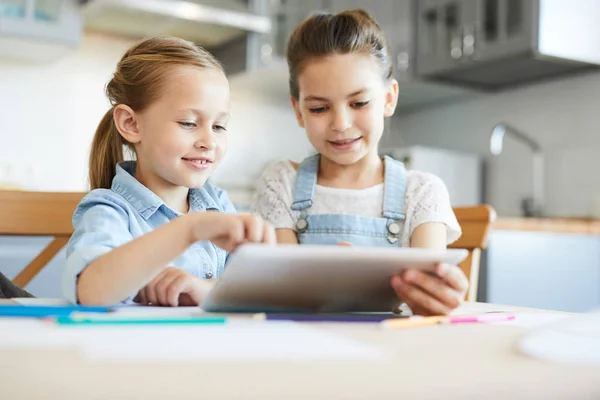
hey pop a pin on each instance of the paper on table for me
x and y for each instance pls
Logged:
(32, 333)
(534, 320)
(524, 318)
(238, 340)
(574, 340)
(234, 341)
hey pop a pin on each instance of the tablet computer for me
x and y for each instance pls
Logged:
(316, 278)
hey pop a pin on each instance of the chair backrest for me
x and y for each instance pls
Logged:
(38, 214)
(475, 223)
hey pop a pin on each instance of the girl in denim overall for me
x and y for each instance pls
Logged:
(341, 89)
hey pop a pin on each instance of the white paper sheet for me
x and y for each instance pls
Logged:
(534, 320)
(239, 340)
(573, 340)
(523, 318)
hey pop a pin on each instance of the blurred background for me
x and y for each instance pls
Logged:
(499, 98)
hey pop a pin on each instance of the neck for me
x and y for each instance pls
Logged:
(366, 172)
(176, 197)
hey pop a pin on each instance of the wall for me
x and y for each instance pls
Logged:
(563, 115)
(49, 114)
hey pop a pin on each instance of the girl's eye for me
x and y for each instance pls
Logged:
(317, 110)
(360, 104)
(187, 124)
(219, 128)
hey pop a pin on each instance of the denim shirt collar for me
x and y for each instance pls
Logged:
(145, 201)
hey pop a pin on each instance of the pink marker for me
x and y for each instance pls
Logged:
(461, 319)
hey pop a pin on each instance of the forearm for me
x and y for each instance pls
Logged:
(126, 269)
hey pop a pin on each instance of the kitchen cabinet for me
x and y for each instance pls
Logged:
(443, 28)
(550, 270)
(503, 27)
(453, 33)
(498, 44)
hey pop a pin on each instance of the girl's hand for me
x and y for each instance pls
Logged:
(228, 231)
(173, 287)
(428, 294)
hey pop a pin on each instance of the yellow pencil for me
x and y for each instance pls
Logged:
(412, 322)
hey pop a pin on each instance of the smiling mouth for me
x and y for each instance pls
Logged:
(344, 143)
(199, 163)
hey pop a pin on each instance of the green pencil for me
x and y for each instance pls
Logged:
(114, 320)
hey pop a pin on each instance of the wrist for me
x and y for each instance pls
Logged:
(190, 222)
(203, 285)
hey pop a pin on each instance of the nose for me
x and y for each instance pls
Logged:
(205, 139)
(342, 120)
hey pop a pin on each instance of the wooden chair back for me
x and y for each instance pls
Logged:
(475, 223)
(38, 214)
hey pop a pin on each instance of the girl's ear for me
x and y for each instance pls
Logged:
(391, 98)
(296, 105)
(127, 123)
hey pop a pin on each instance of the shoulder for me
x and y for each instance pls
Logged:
(101, 203)
(416, 178)
(278, 178)
(214, 191)
(102, 198)
(419, 183)
(219, 196)
(282, 170)
(274, 191)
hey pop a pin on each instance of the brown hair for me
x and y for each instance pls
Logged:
(323, 34)
(137, 82)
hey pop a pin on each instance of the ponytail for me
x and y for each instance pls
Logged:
(106, 152)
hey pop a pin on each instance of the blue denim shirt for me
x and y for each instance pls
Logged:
(106, 219)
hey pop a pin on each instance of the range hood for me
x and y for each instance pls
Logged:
(557, 37)
(208, 23)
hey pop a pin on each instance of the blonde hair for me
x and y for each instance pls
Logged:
(324, 34)
(137, 82)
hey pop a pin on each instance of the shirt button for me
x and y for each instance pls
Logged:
(208, 275)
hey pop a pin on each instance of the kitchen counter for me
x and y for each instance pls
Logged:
(558, 225)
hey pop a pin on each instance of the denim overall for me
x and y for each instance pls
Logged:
(330, 229)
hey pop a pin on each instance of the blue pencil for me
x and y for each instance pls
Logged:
(17, 310)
